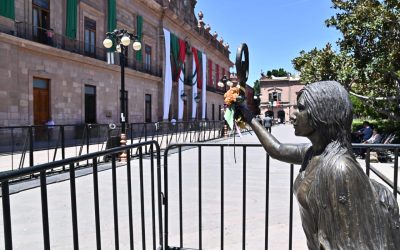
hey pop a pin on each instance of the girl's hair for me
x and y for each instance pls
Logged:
(330, 110)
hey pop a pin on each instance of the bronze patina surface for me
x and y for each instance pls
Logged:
(340, 206)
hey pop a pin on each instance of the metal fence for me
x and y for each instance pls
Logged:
(220, 159)
(23, 146)
(175, 194)
(42, 170)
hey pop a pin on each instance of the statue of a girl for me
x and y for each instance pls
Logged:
(340, 206)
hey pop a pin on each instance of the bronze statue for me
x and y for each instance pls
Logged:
(340, 206)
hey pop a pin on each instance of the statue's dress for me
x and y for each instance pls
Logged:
(340, 207)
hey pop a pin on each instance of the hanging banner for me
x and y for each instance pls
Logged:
(203, 89)
(194, 87)
(181, 91)
(167, 74)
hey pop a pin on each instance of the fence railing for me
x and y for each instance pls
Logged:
(49, 37)
(23, 146)
(196, 215)
(153, 204)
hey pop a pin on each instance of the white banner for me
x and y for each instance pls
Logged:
(181, 88)
(167, 74)
(194, 91)
(204, 89)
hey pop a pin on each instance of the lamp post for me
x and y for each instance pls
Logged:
(222, 82)
(122, 39)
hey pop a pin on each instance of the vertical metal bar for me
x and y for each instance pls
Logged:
(165, 199)
(222, 197)
(31, 162)
(12, 148)
(87, 139)
(266, 202)
(45, 212)
(142, 198)
(200, 207)
(368, 160)
(73, 206)
(5, 197)
(62, 132)
(160, 228)
(396, 169)
(96, 203)
(131, 129)
(180, 196)
(153, 208)
(128, 174)
(244, 200)
(291, 206)
(115, 200)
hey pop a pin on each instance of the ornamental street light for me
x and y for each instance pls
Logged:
(121, 39)
(224, 80)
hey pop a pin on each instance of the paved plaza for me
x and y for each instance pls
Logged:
(26, 209)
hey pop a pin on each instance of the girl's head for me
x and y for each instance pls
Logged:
(329, 109)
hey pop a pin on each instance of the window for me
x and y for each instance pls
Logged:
(40, 20)
(275, 96)
(147, 108)
(90, 104)
(90, 37)
(147, 58)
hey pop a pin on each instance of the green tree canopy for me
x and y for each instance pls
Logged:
(256, 87)
(367, 62)
(277, 72)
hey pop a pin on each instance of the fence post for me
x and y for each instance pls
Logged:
(62, 142)
(87, 138)
(30, 146)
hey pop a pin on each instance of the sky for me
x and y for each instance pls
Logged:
(274, 30)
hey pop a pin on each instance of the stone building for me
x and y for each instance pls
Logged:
(53, 63)
(279, 96)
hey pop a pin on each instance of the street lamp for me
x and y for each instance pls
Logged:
(122, 39)
(224, 80)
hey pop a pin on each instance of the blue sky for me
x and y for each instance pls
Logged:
(274, 30)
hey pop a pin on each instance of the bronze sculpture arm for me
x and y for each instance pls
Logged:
(291, 153)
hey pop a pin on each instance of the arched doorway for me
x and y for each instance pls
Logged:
(281, 116)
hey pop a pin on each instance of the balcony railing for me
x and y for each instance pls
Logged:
(49, 37)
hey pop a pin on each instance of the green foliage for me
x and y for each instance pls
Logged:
(277, 72)
(368, 60)
(256, 88)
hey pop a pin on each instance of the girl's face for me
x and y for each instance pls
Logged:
(301, 120)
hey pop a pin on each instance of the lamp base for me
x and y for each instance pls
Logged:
(123, 143)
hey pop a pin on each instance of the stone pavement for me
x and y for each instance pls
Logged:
(26, 209)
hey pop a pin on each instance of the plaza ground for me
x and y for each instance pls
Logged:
(26, 208)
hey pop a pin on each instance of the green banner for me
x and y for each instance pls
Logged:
(71, 22)
(139, 34)
(7, 8)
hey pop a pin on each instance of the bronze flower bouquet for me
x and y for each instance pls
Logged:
(233, 116)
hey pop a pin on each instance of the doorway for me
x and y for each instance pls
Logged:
(281, 116)
(41, 108)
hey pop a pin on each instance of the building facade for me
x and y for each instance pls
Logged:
(278, 97)
(54, 65)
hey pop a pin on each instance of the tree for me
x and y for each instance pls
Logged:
(277, 72)
(368, 60)
(256, 87)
